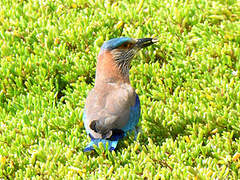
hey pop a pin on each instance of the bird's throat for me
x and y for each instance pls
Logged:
(107, 69)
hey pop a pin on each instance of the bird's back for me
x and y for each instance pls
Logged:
(110, 105)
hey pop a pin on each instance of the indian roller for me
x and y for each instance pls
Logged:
(112, 107)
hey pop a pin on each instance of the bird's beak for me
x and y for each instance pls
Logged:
(144, 42)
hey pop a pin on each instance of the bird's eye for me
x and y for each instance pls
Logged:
(126, 45)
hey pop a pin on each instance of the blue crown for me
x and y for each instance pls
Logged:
(114, 43)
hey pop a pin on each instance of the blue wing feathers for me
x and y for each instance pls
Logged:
(117, 133)
(134, 116)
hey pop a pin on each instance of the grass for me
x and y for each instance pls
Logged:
(188, 85)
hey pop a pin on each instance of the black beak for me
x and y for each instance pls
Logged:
(144, 42)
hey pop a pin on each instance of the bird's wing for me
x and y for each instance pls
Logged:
(108, 109)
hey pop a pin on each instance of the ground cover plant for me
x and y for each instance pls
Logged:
(188, 84)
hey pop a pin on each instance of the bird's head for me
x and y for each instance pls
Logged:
(123, 50)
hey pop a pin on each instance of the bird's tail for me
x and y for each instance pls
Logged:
(111, 144)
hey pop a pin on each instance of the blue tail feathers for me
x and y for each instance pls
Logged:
(111, 144)
(112, 141)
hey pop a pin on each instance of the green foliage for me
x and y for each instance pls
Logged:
(188, 85)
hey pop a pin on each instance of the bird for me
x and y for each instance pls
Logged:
(112, 107)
